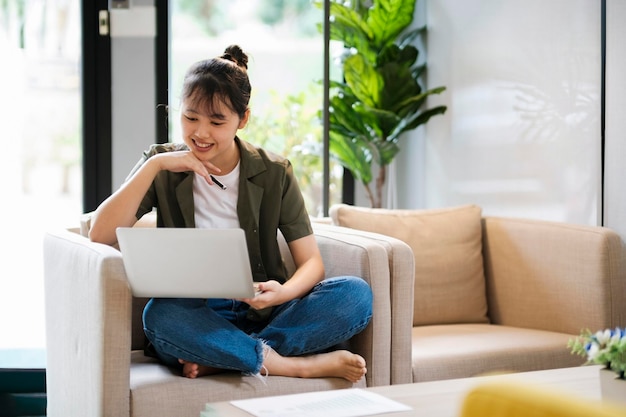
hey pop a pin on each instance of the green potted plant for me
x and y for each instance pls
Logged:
(381, 96)
(605, 347)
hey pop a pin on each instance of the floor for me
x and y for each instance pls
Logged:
(22, 383)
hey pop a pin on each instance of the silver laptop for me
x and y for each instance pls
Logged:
(186, 262)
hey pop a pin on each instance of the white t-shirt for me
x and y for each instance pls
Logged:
(216, 208)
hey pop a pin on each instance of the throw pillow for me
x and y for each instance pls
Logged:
(447, 245)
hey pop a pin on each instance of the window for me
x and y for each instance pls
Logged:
(41, 114)
(286, 69)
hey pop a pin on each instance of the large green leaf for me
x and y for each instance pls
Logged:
(381, 122)
(388, 18)
(354, 154)
(403, 56)
(348, 26)
(399, 86)
(368, 118)
(363, 79)
(351, 36)
(342, 115)
(387, 151)
(412, 104)
(348, 17)
(422, 118)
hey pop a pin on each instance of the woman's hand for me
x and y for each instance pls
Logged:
(270, 293)
(182, 161)
(309, 271)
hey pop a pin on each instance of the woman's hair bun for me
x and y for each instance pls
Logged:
(235, 54)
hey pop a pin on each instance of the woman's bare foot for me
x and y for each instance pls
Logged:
(193, 370)
(339, 363)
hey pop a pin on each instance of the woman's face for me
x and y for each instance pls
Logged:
(210, 134)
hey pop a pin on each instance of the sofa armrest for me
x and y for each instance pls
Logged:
(357, 256)
(554, 276)
(88, 319)
(392, 282)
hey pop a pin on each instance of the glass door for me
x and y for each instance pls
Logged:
(40, 117)
(286, 68)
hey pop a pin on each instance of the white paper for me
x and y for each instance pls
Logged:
(337, 403)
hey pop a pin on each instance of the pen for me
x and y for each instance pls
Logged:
(219, 184)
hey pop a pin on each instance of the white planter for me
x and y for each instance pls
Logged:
(611, 387)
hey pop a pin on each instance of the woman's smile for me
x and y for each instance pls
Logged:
(201, 146)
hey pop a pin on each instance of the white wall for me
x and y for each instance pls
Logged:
(521, 136)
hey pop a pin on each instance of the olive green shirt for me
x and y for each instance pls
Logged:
(269, 200)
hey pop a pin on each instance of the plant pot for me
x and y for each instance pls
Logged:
(612, 388)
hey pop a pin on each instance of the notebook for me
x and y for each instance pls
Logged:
(186, 262)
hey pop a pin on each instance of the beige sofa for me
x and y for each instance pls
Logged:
(96, 366)
(495, 294)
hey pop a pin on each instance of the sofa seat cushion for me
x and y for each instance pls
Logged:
(468, 350)
(447, 246)
(156, 390)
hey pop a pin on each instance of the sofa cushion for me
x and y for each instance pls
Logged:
(469, 350)
(447, 245)
(156, 390)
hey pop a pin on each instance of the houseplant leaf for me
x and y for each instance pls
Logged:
(380, 122)
(387, 19)
(363, 79)
(344, 120)
(348, 26)
(411, 105)
(422, 118)
(353, 154)
(387, 151)
(408, 37)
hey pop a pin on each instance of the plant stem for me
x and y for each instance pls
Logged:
(380, 182)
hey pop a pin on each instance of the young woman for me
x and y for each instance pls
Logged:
(216, 180)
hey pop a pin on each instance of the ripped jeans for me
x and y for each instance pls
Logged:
(217, 332)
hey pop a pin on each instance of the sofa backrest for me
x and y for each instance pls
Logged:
(527, 273)
(554, 276)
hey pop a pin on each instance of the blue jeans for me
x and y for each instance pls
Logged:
(218, 333)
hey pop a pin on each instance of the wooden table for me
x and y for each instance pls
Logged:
(444, 398)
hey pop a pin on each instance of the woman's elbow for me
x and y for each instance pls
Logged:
(99, 234)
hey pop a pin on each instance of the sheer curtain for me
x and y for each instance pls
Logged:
(521, 136)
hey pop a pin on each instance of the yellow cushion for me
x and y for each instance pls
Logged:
(447, 245)
(514, 399)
